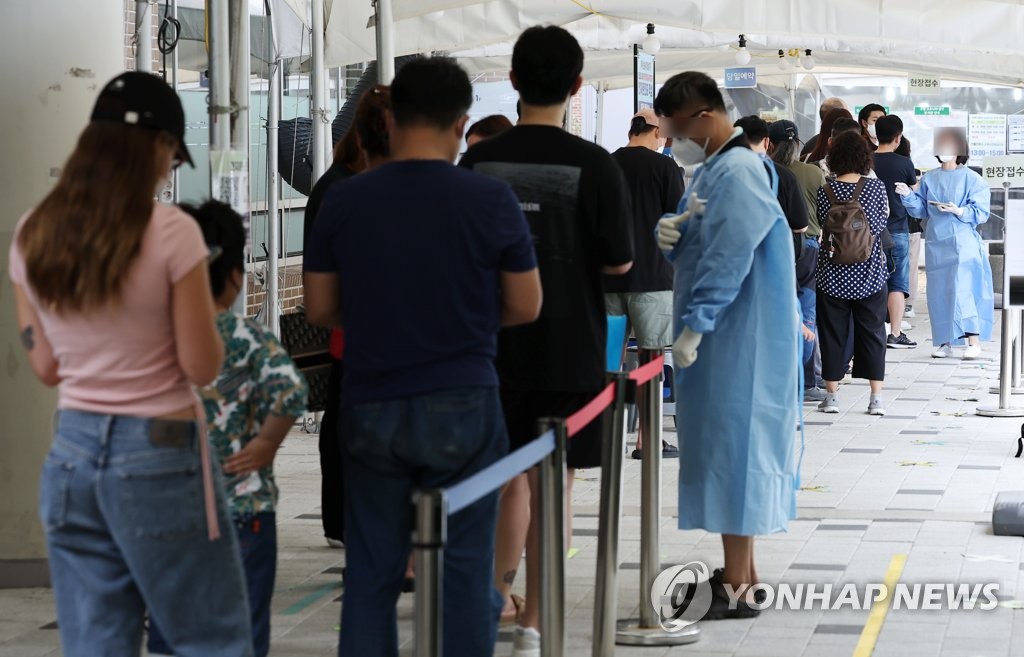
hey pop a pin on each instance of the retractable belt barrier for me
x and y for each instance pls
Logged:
(434, 506)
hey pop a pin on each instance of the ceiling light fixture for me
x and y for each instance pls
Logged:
(651, 44)
(743, 55)
(807, 60)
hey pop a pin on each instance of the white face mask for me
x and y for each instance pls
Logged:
(688, 152)
(946, 158)
(871, 131)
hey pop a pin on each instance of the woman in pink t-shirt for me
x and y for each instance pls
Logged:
(114, 308)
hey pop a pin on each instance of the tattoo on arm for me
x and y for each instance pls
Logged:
(509, 577)
(28, 338)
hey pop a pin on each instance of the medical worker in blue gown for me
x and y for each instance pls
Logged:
(956, 201)
(738, 348)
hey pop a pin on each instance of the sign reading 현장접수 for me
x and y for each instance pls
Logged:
(923, 85)
(1004, 169)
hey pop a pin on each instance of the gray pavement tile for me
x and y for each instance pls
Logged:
(826, 628)
(836, 567)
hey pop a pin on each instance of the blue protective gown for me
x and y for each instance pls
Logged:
(737, 405)
(960, 298)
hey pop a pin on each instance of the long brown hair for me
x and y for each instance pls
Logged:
(371, 123)
(80, 241)
(368, 135)
(821, 147)
(347, 153)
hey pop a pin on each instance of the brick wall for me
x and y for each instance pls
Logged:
(129, 34)
(290, 290)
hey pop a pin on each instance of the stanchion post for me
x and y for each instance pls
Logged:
(606, 593)
(650, 492)
(1018, 349)
(1005, 369)
(429, 536)
(552, 542)
(1017, 354)
(648, 631)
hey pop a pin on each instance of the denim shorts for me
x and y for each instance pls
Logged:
(898, 261)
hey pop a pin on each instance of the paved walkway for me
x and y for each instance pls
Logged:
(919, 482)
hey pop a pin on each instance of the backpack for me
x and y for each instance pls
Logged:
(846, 237)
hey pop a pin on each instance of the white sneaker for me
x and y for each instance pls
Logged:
(335, 543)
(876, 407)
(526, 642)
(972, 352)
(905, 326)
(908, 311)
(945, 351)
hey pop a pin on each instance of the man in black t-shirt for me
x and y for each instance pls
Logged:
(892, 168)
(575, 200)
(644, 294)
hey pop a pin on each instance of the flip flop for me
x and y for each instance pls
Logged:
(509, 618)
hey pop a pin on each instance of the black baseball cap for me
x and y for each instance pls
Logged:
(780, 131)
(136, 98)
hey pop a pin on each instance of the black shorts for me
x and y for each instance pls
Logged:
(524, 408)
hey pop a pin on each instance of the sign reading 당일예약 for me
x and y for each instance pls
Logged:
(740, 77)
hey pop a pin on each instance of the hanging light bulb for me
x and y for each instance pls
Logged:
(783, 62)
(743, 55)
(807, 60)
(651, 43)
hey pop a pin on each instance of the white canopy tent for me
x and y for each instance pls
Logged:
(972, 41)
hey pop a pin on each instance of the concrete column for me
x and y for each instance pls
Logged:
(55, 62)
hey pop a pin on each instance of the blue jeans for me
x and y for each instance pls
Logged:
(808, 311)
(257, 538)
(126, 531)
(807, 295)
(391, 449)
(898, 262)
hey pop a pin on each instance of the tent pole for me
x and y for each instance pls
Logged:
(599, 132)
(143, 37)
(220, 86)
(385, 25)
(317, 81)
(792, 97)
(273, 196)
(175, 178)
(239, 53)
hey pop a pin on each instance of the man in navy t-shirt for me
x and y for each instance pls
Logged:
(892, 168)
(422, 263)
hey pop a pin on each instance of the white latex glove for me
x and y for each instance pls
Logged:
(684, 349)
(952, 209)
(669, 232)
(902, 189)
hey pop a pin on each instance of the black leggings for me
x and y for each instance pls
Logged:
(332, 482)
(868, 315)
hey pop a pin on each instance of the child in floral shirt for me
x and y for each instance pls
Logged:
(250, 408)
